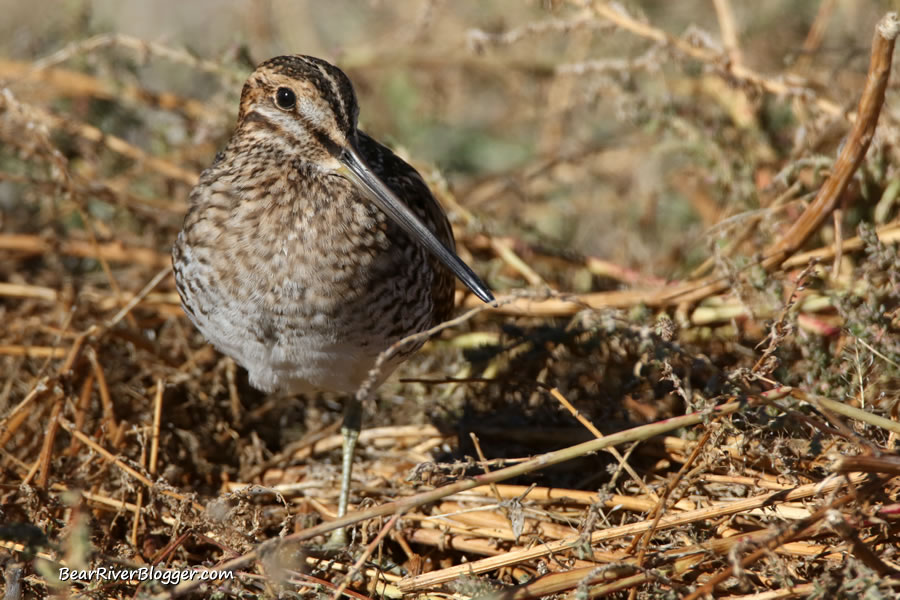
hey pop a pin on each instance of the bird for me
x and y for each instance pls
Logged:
(309, 248)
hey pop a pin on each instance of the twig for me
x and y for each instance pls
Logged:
(139, 296)
(838, 216)
(815, 34)
(11, 420)
(658, 511)
(851, 411)
(139, 502)
(727, 26)
(508, 255)
(75, 84)
(596, 433)
(109, 415)
(854, 148)
(357, 566)
(889, 465)
(484, 465)
(47, 447)
(81, 408)
(34, 351)
(157, 420)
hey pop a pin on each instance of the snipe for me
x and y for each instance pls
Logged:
(309, 248)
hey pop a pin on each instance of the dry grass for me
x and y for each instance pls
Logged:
(690, 385)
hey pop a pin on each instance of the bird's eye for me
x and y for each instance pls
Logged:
(285, 98)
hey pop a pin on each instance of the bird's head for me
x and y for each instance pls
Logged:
(303, 103)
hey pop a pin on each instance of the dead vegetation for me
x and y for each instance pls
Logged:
(689, 387)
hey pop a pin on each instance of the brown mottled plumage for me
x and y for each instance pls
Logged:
(303, 255)
(286, 265)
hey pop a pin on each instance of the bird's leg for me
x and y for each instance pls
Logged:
(350, 432)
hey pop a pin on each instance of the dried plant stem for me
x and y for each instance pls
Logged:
(854, 148)
(157, 421)
(815, 34)
(854, 413)
(484, 462)
(550, 495)
(136, 299)
(643, 542)
(357, 566)
(725, 15)
(47, 447)
(11, 420)
(596, 433)
(34, 351)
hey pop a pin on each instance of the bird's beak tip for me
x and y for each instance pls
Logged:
(353, 167)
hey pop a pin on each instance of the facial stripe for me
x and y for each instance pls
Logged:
(257, 117)
(336, 92)
(276, 122)
(333, 147)
(293, 128)
(340, 90)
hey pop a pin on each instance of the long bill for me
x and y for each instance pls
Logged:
(359, 172)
